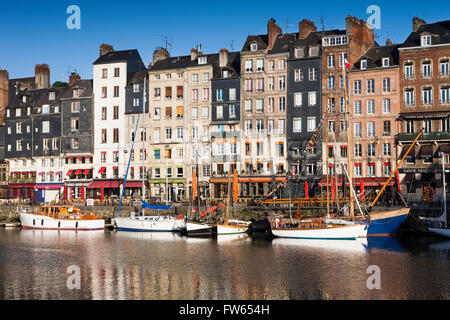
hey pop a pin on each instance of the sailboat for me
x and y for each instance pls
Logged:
(138, 221)
(440, 226)
(326, 228)
(231, 227)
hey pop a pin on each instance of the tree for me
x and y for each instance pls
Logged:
(60, 84)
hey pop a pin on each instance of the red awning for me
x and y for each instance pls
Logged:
(133, 184)
(107, 184)
(102, 169)
(368, 182)
(69, 172)
(41, 173)
(79, 171)
(49, 186)
(85, 172)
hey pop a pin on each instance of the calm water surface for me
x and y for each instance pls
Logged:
(122, 265)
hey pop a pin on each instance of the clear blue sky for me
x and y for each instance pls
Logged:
(35, 32)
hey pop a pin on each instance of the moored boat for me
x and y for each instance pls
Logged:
(387, 223)
(140, 223)
(233, 227)
(60, 218)
(198, 229)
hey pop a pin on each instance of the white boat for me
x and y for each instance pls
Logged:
(60, 218)
(233, 227)
(319, 230)
(141, 223)
(198, 229)
(351, 246)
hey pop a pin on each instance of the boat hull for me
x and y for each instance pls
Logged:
(441, 232)
(350, 232)
(150, 225)
(193, 229)
(34, 221)
(231, 229)
(387, 223)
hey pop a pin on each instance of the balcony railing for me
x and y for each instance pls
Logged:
(425, 136)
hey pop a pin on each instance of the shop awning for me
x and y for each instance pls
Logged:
(133, 184)
(405, 149)
(79, 171)
(102, 169)
(444, 148)
(106, 184)
(49, 186)
(426, 151)
(69, 172)
(85, 172)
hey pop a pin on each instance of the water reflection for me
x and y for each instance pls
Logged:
(122, 265)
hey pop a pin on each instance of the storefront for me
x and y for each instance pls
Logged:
(48, 192)
(101, 189)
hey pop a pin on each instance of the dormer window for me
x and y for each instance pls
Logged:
(363, 64)
(24, 98)
(8, 113)
(202, 60)
(313, 51)
(299, 52)
(76, 93)
(51, 95)
(426, 41)
(253, 47)
(225, 73)
(386, 62)
(136, 87)
(45, 109)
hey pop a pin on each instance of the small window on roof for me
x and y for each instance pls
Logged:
(363, 64)
(202, 60)
(51, 95)
(299, 52)
(254, 46)
(426, 41)
(385, 62)
(314, 51)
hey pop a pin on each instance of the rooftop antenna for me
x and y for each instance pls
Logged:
(167, 43)
(232, 45)
(322, 23)
(287, 24)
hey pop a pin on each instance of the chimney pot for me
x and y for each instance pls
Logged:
(305, 27)
(42, 76)
(73, 78)
(273, 31)
(105, 48)
(417, 23)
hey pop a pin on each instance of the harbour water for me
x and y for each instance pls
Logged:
(124, 265)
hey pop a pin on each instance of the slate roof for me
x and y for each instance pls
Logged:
(261, 40)
(117, 56)
(138, 77)
(234, 66)
(172, 63)
(85, 89)
(374, 57)
(283, 43)
(439, 30)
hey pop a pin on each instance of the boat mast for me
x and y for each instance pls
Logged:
(444, 187)
(144, 137)
(326, 164)
(228, 195)
(347, 120)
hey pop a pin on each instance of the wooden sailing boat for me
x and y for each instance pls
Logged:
(231, 227)
(325, 228)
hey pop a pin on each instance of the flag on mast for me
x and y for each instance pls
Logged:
(346, 63)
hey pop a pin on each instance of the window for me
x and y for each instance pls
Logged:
(281, 126)
(116, 112)
(260, 126)
(259, 85)
(358, 131)
(136, 87)
(202, 60)
(248, 105)
(18, 127)
(331, 105)
(444, 68)
(205, 112)
(371, 86)
(358, 172)
(104, 92)
(386, 105)
(45, 126)
(358, 150)
(370, 129)
(386, 85)
(104, 136)
(195, 95)
(331, 61)
(427, 96)
(427, 126)
(168, 133)
(357, 107)
(168, 92)
(46, 144)
(280, 149)
(232, 111)
(115, 135)
(248, 85)
(282, 83)
(282, 104)
(116, 91)
(157, 154)
(386, 128)
(386, 62)
(387, 149)
(409, 126)
(157, 92)
(136, 102)
(331, 82)
(205, 94)
(19, 145)
(409, 70)
(281, 64)
(260, 106)
(232, 94)
(194, 113)
(311, 124)
(219, 112)
(248, 65)
(75, 124)
(271, 84)
(180, 131)
(312, 98)
(370, 106)
(313, 74)
(51, 95)
(426, 69)
(157, 135)
(357, 87)
(331, 124)
(371, 150)
(206, 77)
(219, 93)
(76, 144)
(157, 114)
(426, 41)
(363, 64)
(260, 65)
(104, 73)
(371, 170)
(445, 95)
(116, 72)
(298, 75)
(248, 126)
(409, 97)
(297, 99)
(297, 125)
(115, 156)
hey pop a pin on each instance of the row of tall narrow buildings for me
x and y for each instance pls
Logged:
(275, 109)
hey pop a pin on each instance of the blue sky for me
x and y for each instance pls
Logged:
(35, 32)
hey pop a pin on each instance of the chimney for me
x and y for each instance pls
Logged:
(194, 54)
(105, 48)
(73, 78)
(4, 87)
(42, 76)
(417, 23)
(305, 27)
(273, 31)
(160, 54)
(223, 57)
(389, 42)
(361, 37)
